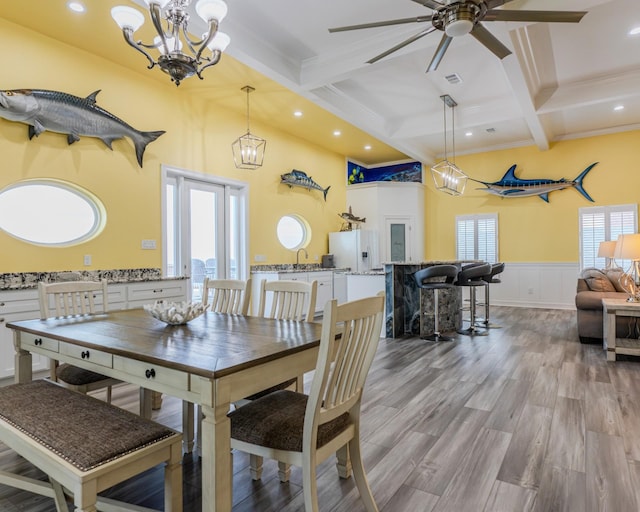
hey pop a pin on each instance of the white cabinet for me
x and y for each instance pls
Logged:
(16, 305)
(324, 278)
(360, 286)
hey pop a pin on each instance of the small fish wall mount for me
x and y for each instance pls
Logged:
(512, 186)
(73, 116)
(297, 178)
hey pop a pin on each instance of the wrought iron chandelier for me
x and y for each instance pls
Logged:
(446, 175)
(248, 150)
(174, 36)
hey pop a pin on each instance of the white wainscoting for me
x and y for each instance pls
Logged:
(536, 285)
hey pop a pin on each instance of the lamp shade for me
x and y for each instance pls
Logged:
(628, 247)
(219, 42)
(127, 17)
(211, 10)
(607, 249)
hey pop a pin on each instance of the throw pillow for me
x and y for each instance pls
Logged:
(598, 281)
(614, 276)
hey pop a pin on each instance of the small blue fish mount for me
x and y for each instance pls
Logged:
(297, 178)
(512, 186)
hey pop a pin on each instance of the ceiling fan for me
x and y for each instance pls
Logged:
(459, 17)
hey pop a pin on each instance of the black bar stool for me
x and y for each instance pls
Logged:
(473, 276)
(496, 269)
(449, 272)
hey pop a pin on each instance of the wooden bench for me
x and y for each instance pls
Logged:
(84, 445)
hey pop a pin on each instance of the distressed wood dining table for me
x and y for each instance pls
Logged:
(213, 360)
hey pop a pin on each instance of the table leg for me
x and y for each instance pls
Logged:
(609, 338)
(216, 446)
(22, 361)
(145, 403)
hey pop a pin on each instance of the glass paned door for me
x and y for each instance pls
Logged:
(205, 211)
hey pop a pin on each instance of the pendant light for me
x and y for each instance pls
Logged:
(447, 177)
(248, 150)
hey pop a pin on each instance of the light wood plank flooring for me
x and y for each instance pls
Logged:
(525, 419)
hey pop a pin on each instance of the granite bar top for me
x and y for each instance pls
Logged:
(430, 263)
(290, 268)
(26, 280)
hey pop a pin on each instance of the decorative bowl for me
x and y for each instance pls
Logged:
(175, 313)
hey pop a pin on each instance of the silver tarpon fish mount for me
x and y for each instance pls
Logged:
(71, 115)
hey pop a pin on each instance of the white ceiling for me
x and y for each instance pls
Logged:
(561, 81)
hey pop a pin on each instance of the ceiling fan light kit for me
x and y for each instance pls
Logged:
(457, 18)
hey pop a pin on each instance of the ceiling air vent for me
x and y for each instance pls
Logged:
(491, 130)
(454, 78)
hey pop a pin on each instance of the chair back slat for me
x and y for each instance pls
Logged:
(343, 363)
(230, 296)
(72, 298)
(290, 300)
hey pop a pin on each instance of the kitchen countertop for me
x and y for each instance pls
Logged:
(29, 280)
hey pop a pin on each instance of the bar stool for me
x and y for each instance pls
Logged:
(449, 272)
(496, 269)
(473, 276)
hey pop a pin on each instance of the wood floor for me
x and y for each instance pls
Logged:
(525, 419)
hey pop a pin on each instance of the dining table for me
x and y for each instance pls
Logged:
(213, 360)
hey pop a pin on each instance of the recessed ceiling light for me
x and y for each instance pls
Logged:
(618, 107)
(367, 147)
(297, 113)
(468, 134)
(76, 6)
(634, 31)
(337, 133)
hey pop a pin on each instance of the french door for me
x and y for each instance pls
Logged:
(205, 232)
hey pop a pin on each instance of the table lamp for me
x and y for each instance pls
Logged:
(628, 248)
(607, 250)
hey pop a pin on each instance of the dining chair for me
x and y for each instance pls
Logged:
(290, 300)
(230, 296)
(294, 428)
(75, 298)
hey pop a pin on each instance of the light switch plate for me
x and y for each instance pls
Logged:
(87, 260)
(148, 244)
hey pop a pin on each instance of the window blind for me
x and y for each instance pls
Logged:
(477, 237)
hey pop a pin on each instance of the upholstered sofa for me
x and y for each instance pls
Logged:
(593, 286)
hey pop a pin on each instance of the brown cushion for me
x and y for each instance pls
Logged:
(80, 429)
(276, 421)
(77, 376)
(614, 276)
(277, 387)
(597, 280)
(593, 300)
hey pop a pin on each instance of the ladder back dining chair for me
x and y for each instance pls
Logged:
(230, 296)
(75, 298)
(290, 300)
(294, 428)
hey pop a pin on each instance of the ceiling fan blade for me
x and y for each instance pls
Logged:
(386, 23)
(402, 44)
(490, 41)
(496, 3)
(431, 4)
(539, 16)
(442, 48)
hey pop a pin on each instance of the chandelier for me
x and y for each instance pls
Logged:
(248, 150)
(173, 37)
(446, 175)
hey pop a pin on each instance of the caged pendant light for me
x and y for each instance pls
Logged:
(446, 175)
(248, 150)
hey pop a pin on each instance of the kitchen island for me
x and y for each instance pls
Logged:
(403, 301)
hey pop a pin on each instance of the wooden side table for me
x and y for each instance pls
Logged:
(613, 308)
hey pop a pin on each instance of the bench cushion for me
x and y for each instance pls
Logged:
(80, 429)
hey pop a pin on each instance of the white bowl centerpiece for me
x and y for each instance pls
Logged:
(175, 313)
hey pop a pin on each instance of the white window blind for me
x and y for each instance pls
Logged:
(477, 237)
(602, 223)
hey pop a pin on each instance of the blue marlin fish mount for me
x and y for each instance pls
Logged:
(71, 115)
(297, 178)
(512, 186)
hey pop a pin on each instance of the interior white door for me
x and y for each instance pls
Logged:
(398, 239)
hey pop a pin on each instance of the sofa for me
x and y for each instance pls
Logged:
(593, 286)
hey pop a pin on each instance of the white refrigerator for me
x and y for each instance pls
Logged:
(356, 250)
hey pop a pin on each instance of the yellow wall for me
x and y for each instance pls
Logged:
(198, 138)
(531, 230)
